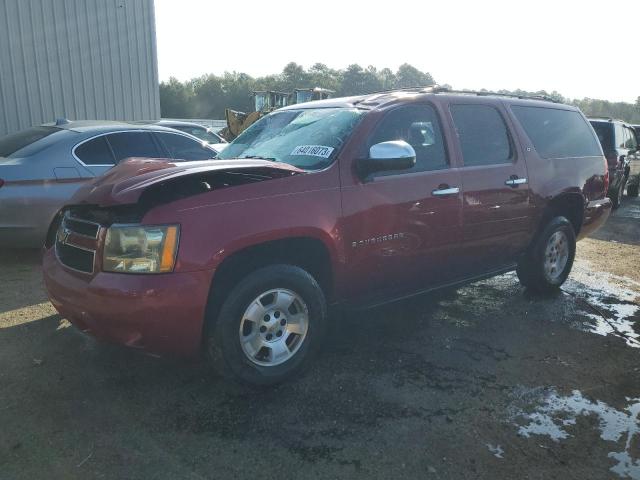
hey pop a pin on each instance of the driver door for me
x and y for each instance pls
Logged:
(402, 228)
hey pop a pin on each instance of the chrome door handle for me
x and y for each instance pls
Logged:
(445, 191)
(514, 182)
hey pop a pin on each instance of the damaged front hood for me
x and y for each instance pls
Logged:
(128, 181)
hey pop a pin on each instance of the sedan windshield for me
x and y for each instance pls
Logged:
(307, 138)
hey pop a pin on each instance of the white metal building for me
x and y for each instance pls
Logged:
(78, 59)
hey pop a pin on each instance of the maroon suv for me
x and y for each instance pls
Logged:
(351, 201)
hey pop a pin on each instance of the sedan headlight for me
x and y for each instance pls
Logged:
(140, 249)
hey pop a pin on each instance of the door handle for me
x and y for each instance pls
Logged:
(514, 182)
(445, 190)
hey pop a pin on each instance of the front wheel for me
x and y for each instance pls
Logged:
(270, 326)
(547, 264)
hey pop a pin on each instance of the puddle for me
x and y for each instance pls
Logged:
(628, 210)
(496, 450)
(608, 301)
(555, 416)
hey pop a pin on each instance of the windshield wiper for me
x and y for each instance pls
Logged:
(258, 157)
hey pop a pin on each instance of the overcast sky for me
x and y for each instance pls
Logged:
(579, 48)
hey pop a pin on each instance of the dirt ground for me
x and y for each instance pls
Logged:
(486, 381)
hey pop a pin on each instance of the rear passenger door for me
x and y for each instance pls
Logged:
(496, 209)
(133, 145)
(101, 153)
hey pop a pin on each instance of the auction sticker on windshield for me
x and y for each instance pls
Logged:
(313, 150)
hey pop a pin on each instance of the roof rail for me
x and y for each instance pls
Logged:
(443, 89)
(607, 119)
(482, 93)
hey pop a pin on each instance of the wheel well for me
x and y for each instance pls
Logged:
(309, 254)
(570, 206)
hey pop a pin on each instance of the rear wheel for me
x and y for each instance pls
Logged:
(616, 198)
(548, 262)
(270, 325)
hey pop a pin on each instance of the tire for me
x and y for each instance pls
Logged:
(269, 327)
(616, 198)
(537, 269)
(632, 190)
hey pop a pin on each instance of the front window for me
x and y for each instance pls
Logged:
(307, 138)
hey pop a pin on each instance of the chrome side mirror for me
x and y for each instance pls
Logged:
(385, 156)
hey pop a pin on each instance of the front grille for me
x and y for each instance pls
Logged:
(76, 243)
(75, 258)
(82, 227)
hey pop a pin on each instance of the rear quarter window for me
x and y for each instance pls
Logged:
(557, 133)
(95, 152)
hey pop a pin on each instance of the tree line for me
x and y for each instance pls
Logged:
(208, 96)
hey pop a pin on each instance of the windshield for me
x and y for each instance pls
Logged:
(307, 138)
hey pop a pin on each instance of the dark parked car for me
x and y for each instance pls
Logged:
(205, 134)
(345, 202)
(620, 147)
(634, 175)
(42, 167)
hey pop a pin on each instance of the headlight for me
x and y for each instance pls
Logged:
(140, 249)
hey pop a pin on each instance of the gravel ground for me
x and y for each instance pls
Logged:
(486, 381)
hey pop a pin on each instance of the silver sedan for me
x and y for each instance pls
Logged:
(42, 167)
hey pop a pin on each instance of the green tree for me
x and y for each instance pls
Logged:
(409, 76)
(175, 99)
(208, 96)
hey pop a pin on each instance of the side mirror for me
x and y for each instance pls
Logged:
(385, 156)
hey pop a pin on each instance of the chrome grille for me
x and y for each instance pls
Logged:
(76, 243)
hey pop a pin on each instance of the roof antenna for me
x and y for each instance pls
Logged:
(62, 121)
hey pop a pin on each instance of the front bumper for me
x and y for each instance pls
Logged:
(595, 216)
(161, 314)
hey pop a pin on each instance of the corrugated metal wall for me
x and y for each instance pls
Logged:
(79, 59)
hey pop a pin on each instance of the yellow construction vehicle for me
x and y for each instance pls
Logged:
(266, 101)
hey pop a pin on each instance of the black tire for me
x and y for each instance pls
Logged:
(616, 198)
(223, 343)
(632, 190)
(531, 268)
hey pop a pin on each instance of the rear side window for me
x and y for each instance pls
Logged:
(632, 143)
(184, 148)
(417, 125)
(133, 144)
(95, 152)
(557, 133)
(483, 135)
(17, 141)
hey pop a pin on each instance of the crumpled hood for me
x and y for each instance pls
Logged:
(125, 183)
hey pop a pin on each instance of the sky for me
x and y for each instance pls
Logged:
(579, 48)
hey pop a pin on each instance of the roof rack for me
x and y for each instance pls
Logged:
(606, 119)
(482, 93)
(443, 89)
